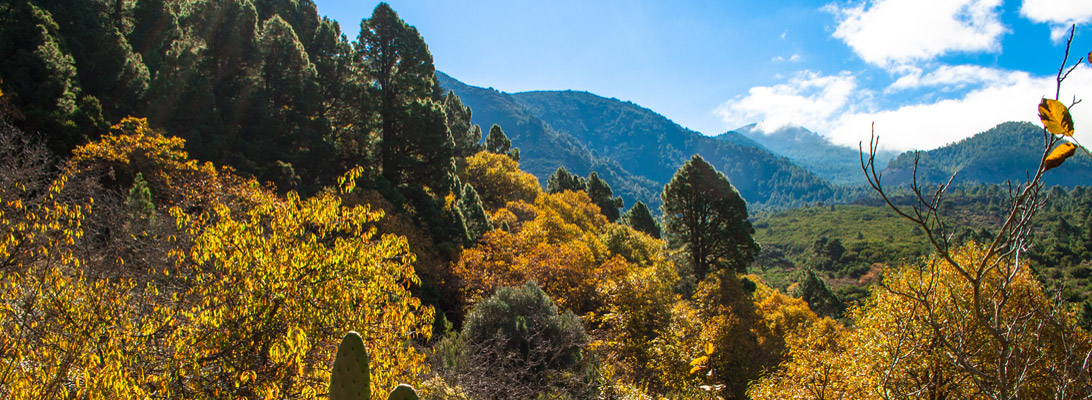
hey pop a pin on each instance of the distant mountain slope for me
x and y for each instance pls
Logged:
(543, 149)
(650, 145)
(1009, 152)
(838, 164)
(635, 149)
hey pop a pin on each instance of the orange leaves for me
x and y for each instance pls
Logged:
(1056, 117)
(1059, 155)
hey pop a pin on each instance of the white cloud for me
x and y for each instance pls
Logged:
(808, 99)
(1060, 14)
(1015, 97)
(893, 32)
(793, 58)
(949, 77)
(836, 107)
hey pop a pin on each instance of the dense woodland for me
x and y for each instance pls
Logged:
(198, 198)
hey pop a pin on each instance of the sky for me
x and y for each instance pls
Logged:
(925, 72)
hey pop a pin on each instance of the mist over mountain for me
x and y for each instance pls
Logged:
(838, 164)
(635, 149)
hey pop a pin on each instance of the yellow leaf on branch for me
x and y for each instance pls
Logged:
(1059, 154)
(699, 361)
(1056, 117)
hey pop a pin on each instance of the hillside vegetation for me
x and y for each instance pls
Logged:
(1004, 153)
(201, 198)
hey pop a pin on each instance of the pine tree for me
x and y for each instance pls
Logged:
(139, 205)
(497, 141)
(818, 296)
(477, 220)
(705, 216)
(466, 134)
(602, 196)
(416, 147)
(640, 218)
(561, 180)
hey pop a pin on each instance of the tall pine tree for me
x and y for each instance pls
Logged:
(705, 216)
(416, 147)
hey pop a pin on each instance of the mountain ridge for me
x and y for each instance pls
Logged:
(1006, 152)
(633, 143)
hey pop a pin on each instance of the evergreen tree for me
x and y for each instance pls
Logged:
(477, 220)
(819, 297)
(155, 28)
(416, 147)
(705, 215)
(39, 74)
(561, 180)
(497, 141)
(602, 196)
(108, 69)
(139, 203)
(294, 135)
(346, 103)
(466, 134)
(640, 218)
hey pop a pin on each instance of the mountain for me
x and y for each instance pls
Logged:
(543, 149)
(636, 149)
(1008, 152)
(838, 164)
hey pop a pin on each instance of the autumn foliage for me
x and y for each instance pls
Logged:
(249, 303)
(894, 348)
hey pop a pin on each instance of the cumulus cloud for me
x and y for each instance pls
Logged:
(949, 77)
(1015, 97)
(893, 32)
(808, 99)
(1060, 14)
(833, 106)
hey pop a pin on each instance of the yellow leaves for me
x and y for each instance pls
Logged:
(1059, 155)
(313, 267)
(700, 364)
(498, 180)
(1056, 117)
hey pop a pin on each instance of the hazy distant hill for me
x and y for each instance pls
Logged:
(639, 149)
(1010, 151)
(838, 164)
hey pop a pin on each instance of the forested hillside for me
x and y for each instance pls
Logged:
(544, 149)
(229, 199)
(647, 146)
(1004, 153)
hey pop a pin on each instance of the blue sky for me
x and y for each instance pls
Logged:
(927, 72)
